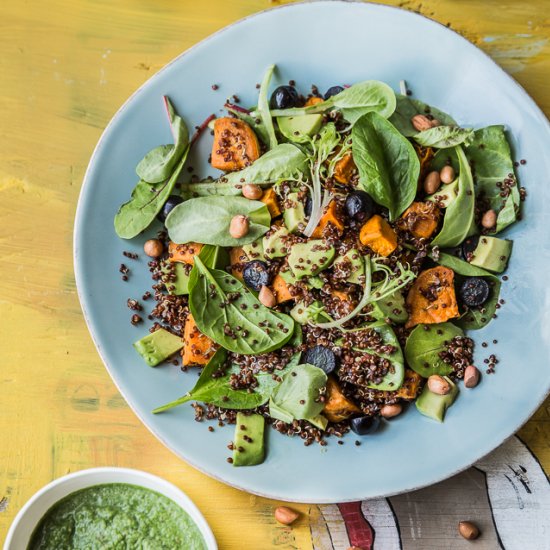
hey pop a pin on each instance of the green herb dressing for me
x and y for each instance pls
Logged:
(116, 516)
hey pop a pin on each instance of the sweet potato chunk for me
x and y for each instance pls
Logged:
(184, 253)
(237, 258)
(378, 235)
(425, 156)
(281, 290)
(345, 169)
(269, 198)
(313, 100)
(337, 406)
(197, 348)
(411, 385)
(421, 219)
(330, 216)
(431, 298)
(235, 145)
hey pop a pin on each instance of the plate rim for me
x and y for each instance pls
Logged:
(79, 275)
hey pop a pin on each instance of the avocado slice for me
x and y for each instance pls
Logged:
(158, 346)
(295, 215)
(445, 195)
(433, 405)
(299, 128)
(353, 257)
(392, 307)
(249, 448)
(492, 254)
(255, 250)
(310, 258)
(275, 245)
(315, 282)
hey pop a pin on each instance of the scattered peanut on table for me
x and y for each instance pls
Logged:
(471, 376)
(285, 515)
(468, 530)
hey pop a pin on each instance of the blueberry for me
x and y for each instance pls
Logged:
(359, 206)
(171, 202)
(308, 207)
(474, 291)
(256, 274)
(321, 357)
(468, 246)
(284, 97)
(364, 425)
(333, 90)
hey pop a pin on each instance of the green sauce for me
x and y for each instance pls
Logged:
(116, 516)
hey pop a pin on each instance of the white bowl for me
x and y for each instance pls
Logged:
(34, 510)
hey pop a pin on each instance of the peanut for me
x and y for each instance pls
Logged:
(267, 297)
(239, 226)
(468, 530)
(489, 219)
(153, 248)
(252, 191)
(422, 122)
(432, 183)
(437, 384)
(285, 515)
(447, 174)
(389, 411)
(471, 376)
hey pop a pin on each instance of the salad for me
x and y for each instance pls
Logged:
(329, 276)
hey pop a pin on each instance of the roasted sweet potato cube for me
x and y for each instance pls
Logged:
(235, 145)
(197, 347)
(237, 258)
(379, 236)
(313, 100)
(411, 385)
(421, 219)
(184, 253)
(337, 406)
(432, 298)
(345, 169)
(331, 216)
(269, 198)
(281, 290)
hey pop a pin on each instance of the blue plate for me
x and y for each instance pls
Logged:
(326, 43)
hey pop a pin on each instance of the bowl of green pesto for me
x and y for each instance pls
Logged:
(108, 509)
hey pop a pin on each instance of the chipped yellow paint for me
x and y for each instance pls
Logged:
(66, 66)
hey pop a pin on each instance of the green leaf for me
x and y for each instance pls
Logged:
(423, 347)
(407, 108)
(353, 102)
(297, 396)
(138, 213)
(282, 162)
(206, 220)
(220, 303)
(263, 108)
(388, 164)
(459, 215)
(444, 137)
(473, 318)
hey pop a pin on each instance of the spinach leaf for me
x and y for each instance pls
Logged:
(283, 161)
(217, 391)
(157, 165)
(475, 318)
(228, 313)
(353, 102)
(492, 162)
(297, 396)
(459, 215)
(263, 108)
(423, 347)
(407, 108)
(444, 137)
(209, 189)
(387, 163)
(206, 220)
(146, 202)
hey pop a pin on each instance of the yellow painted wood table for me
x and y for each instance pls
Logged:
(66, 66)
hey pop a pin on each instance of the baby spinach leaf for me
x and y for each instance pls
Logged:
(492, 161)
(473, 318)
(444, 137)
(423, 347)
(228, 313)
(297, 396)
(459, 215)
(146, 202)
(158, 164)
(217, 391)
(263, 107)
(206, 220)
(353, 102)
(283, 161)
(387, 163)
(407, 108)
